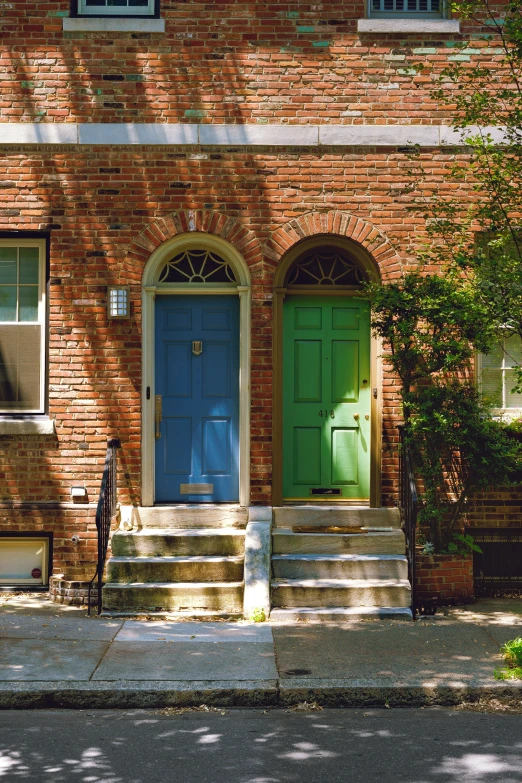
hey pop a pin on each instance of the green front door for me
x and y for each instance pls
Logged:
(326, 398)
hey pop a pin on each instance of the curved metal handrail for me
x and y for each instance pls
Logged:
(106, 509)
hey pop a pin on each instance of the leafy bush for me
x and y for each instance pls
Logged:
(431, 326)
(512, 654)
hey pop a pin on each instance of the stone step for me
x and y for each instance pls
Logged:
(313, 614)
(154, 542)
(384, 541)
(201, 568)
(340, 566)
(340, 592)
(178, 596)
(187, 516)
(328, 516)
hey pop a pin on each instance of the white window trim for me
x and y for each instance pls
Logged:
(413, 15)
(123, 11)
(6, 413)
(503, 414)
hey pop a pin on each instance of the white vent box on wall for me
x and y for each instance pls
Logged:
(24, 561)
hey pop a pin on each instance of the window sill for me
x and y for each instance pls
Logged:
(383, 26)
(111, 25)
(27, 426)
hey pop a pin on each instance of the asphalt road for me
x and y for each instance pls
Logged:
(254, 746)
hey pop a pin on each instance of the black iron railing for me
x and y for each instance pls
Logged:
(408, 505)
(104, 513)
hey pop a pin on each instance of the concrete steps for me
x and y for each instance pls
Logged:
(157, 542)
(340, 592)
(177, 597)
(191, 571)
(339, 566)
(350, 516)
(370, 541)
(335, 614)
(186, 516)
(216, 568)
(325, 575)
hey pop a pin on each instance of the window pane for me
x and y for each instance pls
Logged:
(513, 400)
(491, 383)
(94, 3)
(20, 352)
(29, 265)
(7, 303)
(513, 351)
(28, 310)
(8, 264)
(117, 2)
(141, 3)
(494, 358)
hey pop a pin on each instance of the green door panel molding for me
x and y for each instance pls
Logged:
(326, 398)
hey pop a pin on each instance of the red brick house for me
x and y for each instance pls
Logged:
(226, 171)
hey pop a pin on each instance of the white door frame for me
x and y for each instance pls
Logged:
(151, 289)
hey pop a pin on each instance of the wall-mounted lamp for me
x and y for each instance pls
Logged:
(78, 494)
(118, 301)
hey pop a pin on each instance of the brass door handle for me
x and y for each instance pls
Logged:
(197, 347)
(158, 413)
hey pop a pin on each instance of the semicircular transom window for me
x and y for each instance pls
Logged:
(325, 266)
(197, 266)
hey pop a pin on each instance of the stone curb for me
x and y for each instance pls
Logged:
(263, 693)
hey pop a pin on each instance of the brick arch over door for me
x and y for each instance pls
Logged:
(186, 221)
(341, 224)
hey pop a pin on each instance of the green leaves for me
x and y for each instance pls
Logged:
(432, 324)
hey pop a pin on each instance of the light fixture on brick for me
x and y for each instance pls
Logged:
(118, 301)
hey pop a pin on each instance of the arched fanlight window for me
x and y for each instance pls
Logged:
(197, 266)
(325, 266)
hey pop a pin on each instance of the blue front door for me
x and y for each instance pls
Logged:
(197, 379)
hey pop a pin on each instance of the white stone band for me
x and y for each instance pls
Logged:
(113, 25)
(152, 134)
(383, 26)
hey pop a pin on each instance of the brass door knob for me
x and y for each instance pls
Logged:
(356, 416)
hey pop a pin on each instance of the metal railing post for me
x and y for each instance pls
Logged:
(105, 511)
(408, 505)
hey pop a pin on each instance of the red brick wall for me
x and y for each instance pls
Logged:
(444, 579)
(221, 62)
(106, 208)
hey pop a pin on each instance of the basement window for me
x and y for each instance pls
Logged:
(25, 560)
(118, 8)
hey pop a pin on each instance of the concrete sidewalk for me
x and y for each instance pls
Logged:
(56, 656)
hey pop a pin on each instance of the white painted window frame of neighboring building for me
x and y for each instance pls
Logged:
(150, 290)
(81, 8)
(7, 413)
(379, 23)
(505, 413)
(405, 13)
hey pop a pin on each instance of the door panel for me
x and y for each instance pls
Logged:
(176, 357)
(308, 370)
(216, 447)
(345, 456)
(326, 398)
(177, 446)
(345, 371)
(217, 370)
(199, 443)
(307, 455)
